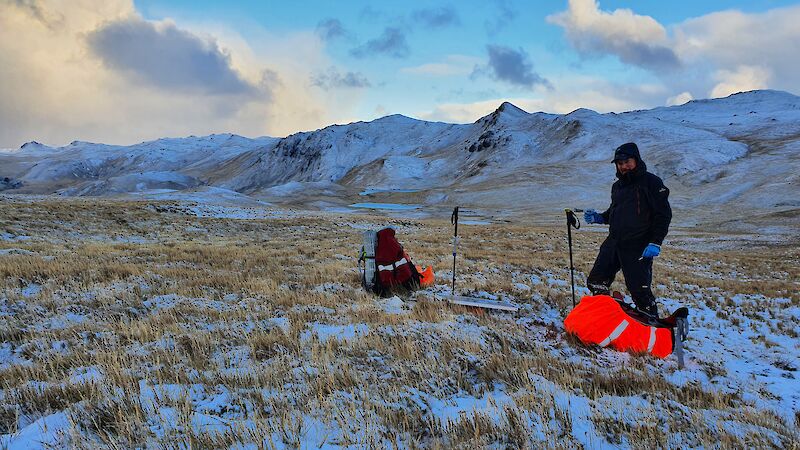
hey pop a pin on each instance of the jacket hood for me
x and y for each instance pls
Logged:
(625, 151)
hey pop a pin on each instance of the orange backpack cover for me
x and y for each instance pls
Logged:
(603, 321)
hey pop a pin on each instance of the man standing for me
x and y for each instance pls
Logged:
(638, 220)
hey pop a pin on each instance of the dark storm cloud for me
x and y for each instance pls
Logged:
(513, 66)
(167, 57)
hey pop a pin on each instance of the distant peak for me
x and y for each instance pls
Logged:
(510, 108)
(583, 112)
(763, 93)
(503, 114)
(759, 99)
(395, 118)
(31, 144)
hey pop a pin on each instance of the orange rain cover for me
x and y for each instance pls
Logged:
(601, 320)
(426, 276)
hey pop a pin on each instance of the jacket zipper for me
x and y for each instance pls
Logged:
(638, 203)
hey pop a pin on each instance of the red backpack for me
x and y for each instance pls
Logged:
(393, 266)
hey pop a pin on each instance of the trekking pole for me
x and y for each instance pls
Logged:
(454, 221)
(572, 222)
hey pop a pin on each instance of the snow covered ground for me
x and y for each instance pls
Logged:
(153, 324)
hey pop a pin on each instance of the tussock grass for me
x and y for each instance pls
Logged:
(126, 290)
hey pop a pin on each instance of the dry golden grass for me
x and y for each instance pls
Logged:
(128, 290)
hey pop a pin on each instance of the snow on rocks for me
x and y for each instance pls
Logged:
(394, 305)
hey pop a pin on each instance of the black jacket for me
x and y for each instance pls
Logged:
(639, 213)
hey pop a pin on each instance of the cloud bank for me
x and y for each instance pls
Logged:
(713, 55)
(96, 70)
(164, 56)
(635, 39)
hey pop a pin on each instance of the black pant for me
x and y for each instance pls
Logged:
(638, 273)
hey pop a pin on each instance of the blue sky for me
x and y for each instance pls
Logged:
(151, 68)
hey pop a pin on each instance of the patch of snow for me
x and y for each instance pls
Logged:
(8, 357)
(44, 434)
(371, 191)
(5, 236)
(31, 290)
(280, 322)
(162, 301)
(324, 332)
(15, 251)
(86, 375)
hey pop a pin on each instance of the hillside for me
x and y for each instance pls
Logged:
(742, 151)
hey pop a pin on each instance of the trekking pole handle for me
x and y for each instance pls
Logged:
(454, 220)
(572, 218)
(572, 222)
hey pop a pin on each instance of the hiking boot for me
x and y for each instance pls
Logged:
(651, 310)
(598, 289)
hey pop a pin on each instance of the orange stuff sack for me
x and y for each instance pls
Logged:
(603, 321)
(426, 276)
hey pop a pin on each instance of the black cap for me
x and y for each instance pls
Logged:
(625, 151)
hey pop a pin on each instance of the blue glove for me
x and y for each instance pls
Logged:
(592, 216)
(651, 251)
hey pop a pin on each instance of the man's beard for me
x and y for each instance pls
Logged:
(626, 176)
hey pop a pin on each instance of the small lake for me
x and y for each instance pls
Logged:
(389, 206)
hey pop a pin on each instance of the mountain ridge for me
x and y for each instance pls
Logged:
(703, 148)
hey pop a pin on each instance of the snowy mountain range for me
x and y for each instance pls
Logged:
(739, 154)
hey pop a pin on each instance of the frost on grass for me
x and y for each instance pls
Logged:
(124, 326)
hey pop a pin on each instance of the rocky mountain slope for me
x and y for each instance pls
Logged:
(742, 151)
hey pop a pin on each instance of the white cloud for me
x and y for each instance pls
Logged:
(680, 99)
(744, 78)
(718, 53)
(635, 39)
(729, 37)
(460, 112)
(729, 41)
